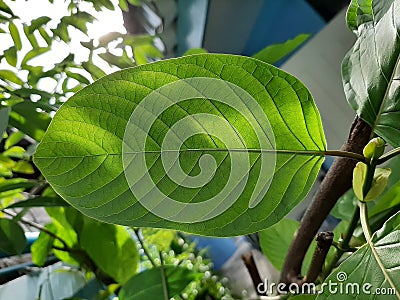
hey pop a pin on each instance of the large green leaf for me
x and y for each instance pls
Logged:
(206, 110)
(112, 248)
(148, 284)
(377, 265)
(371, 72)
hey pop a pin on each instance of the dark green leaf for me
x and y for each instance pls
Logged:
(25, 118)
(345, 206)
(41, 248)
(143, 53)
(83, 153)
(15, 35)
(4, 113)
(276, 52)
(12, 237)
(40, 201)
(11, 55)
(148, 284)
(371, 70)
(37, 23)
(10, 76)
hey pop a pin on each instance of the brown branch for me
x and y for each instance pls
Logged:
(324, 242)
(251, 266)
(336, 182)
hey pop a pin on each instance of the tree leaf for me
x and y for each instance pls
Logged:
(123, 5)
(359, 12)
(11, 55)
(10, 76)
(14, 138)
(79, 20)
(25, 117)
(37, 23)
(12, 237)
(275, 242)
(274, 53)
(148, 284)
(161, 238)
(34, 53)
(5, 8)
(78, 77)
(195, 51)
(4, 115)
(41, 248)
(15, 35)
(110, 247)
(40, 201)
(371, 73)
(23, 167)
(143, 53)
(85, 163)
(94, 70)
(15, 183)
(62, 32)
(30, 36)
(362, 266)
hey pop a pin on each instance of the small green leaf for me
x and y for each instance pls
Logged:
(94, 70)
(37, 23)
(23, 167)
(143, 53)
(15, 183)
(62, 32)
(195, 51)
(48, 39)
(15, 152)
(276, 52)
(78, 77)
(161, 238)
(15, 35)
(14, 138)
(123, 5)
(31, 37)
(34, 53)
(359, 12)
(148, 284)
(4, 114)
(79, 20)
(134, 2)
(41, 248)
(110, 247)
(345, 206)
(119, 61)
(10, 76)
(40, 201)
(12, 237)
(5, 8)
(11, 55)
